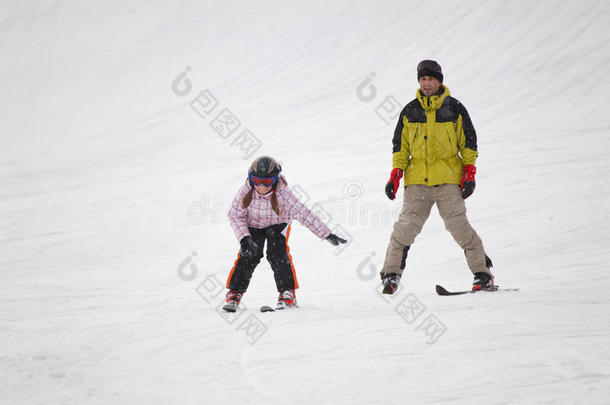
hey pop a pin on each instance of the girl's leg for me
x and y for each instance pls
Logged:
(242, 270)
(278, 255)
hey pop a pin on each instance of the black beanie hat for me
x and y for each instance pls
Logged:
(429, 68)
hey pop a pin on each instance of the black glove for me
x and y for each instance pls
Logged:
(468, 189)
(249, 248)
(335, 240)
(389, 191)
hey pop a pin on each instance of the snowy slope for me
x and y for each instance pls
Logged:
(114, 242)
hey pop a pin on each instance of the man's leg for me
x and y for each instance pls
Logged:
(417, 203)
(452, 208)
(241, 273)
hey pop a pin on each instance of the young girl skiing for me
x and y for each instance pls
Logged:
(263, 210)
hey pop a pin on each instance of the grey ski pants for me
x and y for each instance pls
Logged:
(417, 203)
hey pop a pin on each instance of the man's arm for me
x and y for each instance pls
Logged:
(400, 155)
(467, 136)
(400, 148)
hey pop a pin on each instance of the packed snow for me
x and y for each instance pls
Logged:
(127, 128)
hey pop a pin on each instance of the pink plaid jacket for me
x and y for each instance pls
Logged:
(260, 214)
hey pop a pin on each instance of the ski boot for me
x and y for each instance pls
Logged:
(390, 282)
(232, 301)
(287, 299)
(483, 282)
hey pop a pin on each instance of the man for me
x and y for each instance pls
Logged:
(435, 146)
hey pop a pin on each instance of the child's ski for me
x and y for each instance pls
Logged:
(267, 308)
(230, 306)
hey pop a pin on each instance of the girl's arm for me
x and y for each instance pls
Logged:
(297, 210)
(238, 216)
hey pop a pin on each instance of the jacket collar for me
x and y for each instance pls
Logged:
(435, 101)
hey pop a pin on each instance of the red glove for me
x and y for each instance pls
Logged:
(393, 183)
(468, 183)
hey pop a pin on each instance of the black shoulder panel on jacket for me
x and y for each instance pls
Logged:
(415, 112)
(450, 111)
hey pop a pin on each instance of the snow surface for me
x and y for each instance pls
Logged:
(114, 191)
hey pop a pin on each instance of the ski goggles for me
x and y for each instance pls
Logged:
(262, 181)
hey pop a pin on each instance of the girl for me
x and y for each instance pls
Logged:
(263, 210)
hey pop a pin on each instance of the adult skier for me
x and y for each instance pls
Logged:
(435, 147)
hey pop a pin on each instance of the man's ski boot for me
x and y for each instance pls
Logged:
(483, 282)
(390, 282)
(232, 301)
(287, 299)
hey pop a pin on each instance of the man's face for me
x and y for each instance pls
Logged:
(429, 85)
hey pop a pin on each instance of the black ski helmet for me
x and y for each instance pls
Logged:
(265, 166)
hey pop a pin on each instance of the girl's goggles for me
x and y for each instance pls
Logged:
(262, 181)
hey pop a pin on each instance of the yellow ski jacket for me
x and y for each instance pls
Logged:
(433, 140)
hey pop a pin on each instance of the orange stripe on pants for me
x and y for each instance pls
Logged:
(294, 274)
(232, 271)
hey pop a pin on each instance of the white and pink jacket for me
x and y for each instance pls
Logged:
(260, 214)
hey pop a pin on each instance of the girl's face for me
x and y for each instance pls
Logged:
(263, 189)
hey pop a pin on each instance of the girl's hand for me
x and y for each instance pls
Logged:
(335, 240)
(249, 248)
